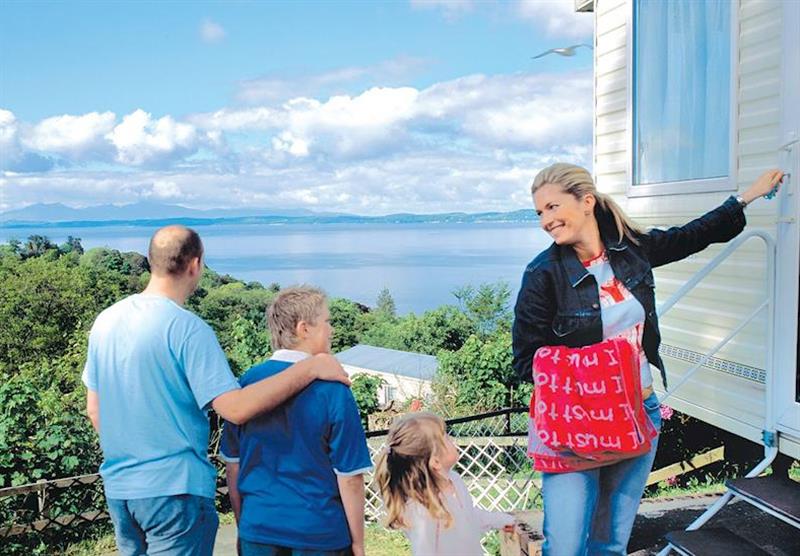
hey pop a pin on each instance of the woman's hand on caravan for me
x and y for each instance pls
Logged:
(764, 185)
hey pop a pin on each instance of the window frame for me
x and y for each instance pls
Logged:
(727, 183)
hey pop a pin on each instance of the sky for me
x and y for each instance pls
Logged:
(363, 107)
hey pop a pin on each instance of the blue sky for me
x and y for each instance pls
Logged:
(367, 107)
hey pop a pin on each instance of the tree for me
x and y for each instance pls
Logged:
(479, 376)
(365, 391)
(36, 246)
(248, 345)
(103, 258)
(42, 303)
(347, 322)
(385, 304)
(443, 328)
(72, 245)
(487, 307)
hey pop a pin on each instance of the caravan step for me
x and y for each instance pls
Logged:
(712, 542)
(777, 496)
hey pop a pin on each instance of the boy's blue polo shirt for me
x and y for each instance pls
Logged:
(289, 459)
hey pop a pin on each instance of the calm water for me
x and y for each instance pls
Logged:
(421, 264)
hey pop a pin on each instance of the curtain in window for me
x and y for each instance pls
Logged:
(682, 93)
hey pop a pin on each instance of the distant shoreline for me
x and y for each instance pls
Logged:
(520, 216)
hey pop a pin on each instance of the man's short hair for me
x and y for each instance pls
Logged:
(290, 306)
(172, 248)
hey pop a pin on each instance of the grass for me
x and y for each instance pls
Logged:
(379, 541)
(93, 547)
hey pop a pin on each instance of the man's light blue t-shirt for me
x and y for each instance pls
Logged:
(156, 368)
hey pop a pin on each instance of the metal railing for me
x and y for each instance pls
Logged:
(769, 431)
(768, 303)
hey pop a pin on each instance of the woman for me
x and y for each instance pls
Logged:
(593, 283)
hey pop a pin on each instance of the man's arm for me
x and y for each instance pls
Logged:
(232, 476)
(239, 406)
(351, 489)
(93, 409)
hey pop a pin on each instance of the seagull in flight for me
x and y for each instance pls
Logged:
(565, 51)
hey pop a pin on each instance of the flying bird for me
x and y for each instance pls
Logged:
(565, 51)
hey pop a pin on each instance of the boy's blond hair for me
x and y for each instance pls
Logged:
(403, 469)
(290, 306)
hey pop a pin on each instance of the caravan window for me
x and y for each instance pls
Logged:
(681, 96)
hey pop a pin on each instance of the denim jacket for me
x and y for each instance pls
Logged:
(559, 303)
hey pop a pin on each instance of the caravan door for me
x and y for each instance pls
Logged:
(786, 392)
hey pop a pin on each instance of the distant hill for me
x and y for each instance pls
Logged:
(143, 210)
(156, 214)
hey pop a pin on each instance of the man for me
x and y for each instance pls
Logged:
(153, 370)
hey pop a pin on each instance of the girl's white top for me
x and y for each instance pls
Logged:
(463, 538)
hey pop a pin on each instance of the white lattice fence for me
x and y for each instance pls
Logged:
(495, 468)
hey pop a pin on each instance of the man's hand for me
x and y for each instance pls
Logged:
(326, 367)
(358, 549)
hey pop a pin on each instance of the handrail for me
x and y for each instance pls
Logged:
(715, 262)
(768, 303)
(770, 445)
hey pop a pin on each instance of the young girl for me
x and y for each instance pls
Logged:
(424, 497)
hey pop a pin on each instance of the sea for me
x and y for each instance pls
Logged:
(420, 263)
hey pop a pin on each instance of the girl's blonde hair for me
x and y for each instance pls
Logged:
(578, 182)
(403, 469)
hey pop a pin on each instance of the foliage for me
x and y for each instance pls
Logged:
(41, 303)
(487, 307)
(347, 319)
(385, 305)
(248, 345)
(443, 328)
(479, 375)
(365, 391)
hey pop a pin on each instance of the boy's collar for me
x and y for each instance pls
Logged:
(289, 355)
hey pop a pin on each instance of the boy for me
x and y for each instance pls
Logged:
(295, 474)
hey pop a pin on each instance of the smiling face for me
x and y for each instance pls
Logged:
(568, 220)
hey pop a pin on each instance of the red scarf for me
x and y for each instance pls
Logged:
(586, 409)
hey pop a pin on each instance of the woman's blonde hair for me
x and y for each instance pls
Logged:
(290, 306)
(403, 470)
(578, 182)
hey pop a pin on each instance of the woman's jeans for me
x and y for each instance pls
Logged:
(592, 512)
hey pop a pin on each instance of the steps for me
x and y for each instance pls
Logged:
(776, 495)
(708, 542)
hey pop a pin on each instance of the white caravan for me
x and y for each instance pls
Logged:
(670, 144)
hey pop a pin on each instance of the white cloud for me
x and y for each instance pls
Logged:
(211, 32)
(557, 18)
(471, 143)
(515, 110)
(286, 142)
(273, 89)
(232, 119)
(141, 140)
(164, 189)
(75, 136)
(9, 129)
